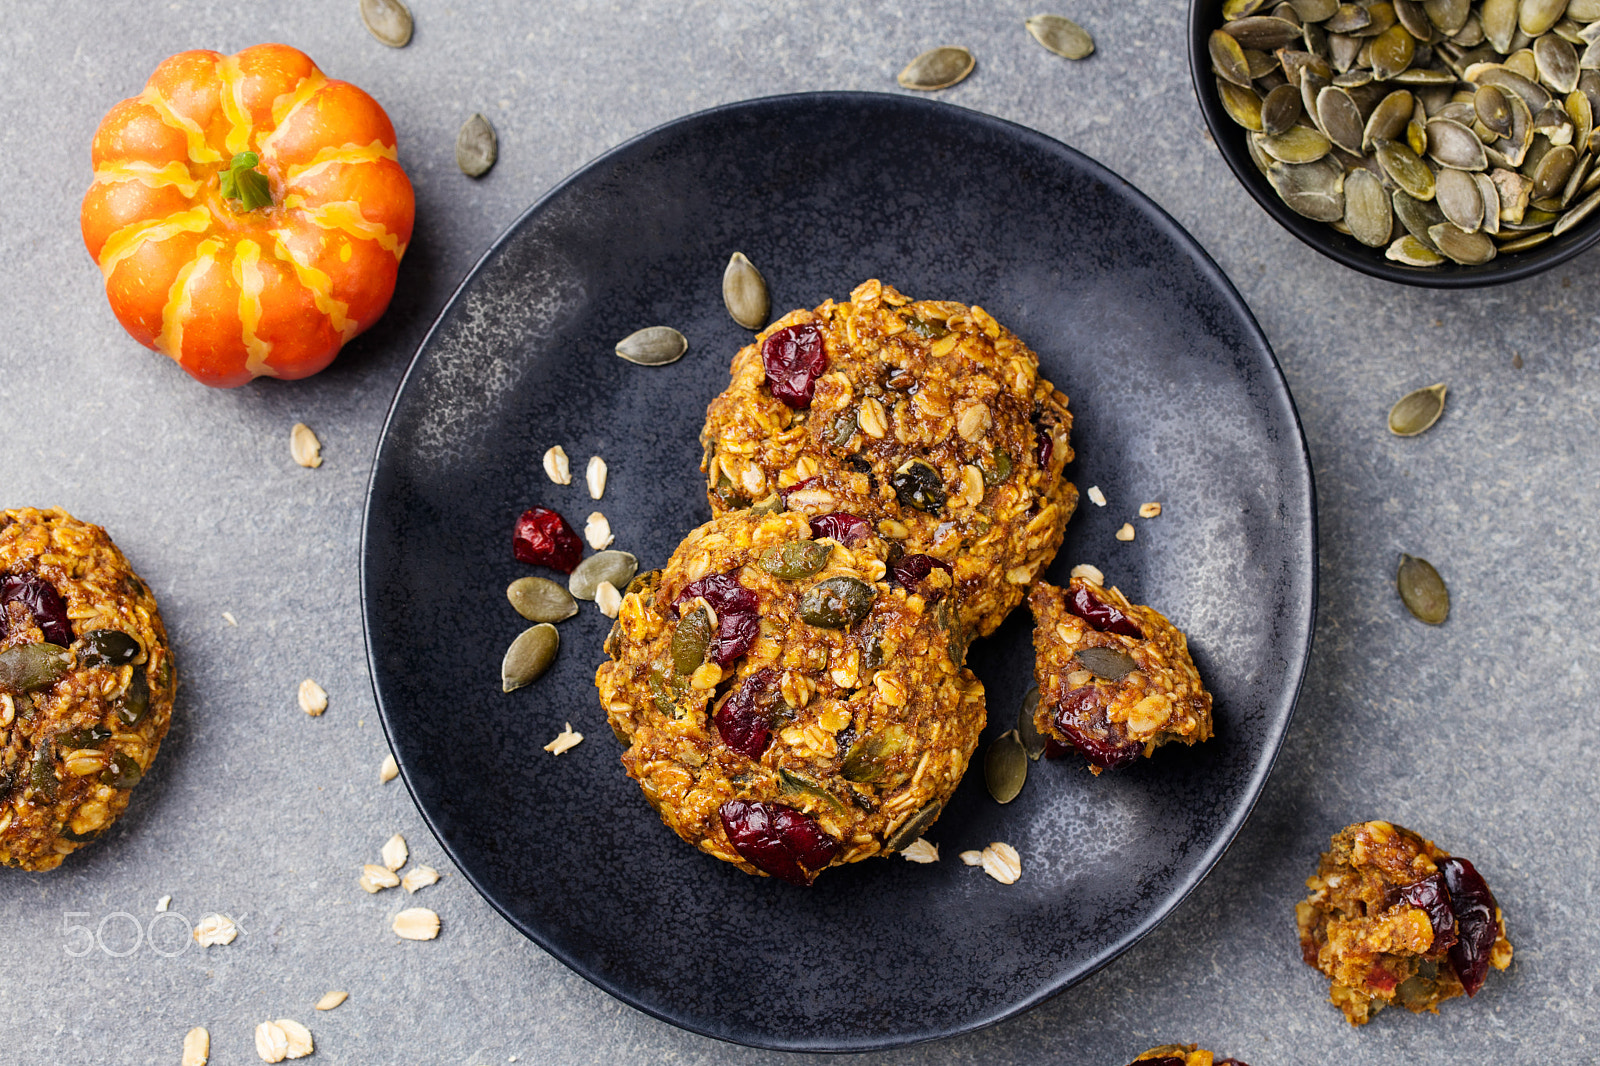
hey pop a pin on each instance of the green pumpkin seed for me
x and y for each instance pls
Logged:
(387, 20)
(1107, 664)
(1227, 59)
(1280, 110)
(1366, 208)
(653, 346)
(134, 703)
(997, 469)
(617, 567)
(108, 647)
(1457, 195)
(1493, 109)
(1448, 15)
(937, 68)
(1388, 120)
(796, 559)
(793, 783)
(476, 147)
(912, 828)
(690, 639)
(1535, 17)
(529, 656)
(1005, 767)
(1416, 412)
(1557, 62)
(1242, 105)
(1408, 171)
(1522, 244)
(744, 292)
(1027, 731)
(1392, 52)
(29, 667)
(1468, 249)
(1450, 144)
(869, 757)
(1422, 590)
(1315, 190)
(1265, 33)
(42, 771)
(1063, 36)
(1412, 252)
(539, 599)
(918, 485)
(124, 771)
(837, 603)
(1572, 217)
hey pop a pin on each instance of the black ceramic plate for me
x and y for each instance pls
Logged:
(1176, 397)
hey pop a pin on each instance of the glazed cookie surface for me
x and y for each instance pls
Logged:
(927, 418)
(786, 699)
(1115, 678)
(1182, 1055)
(1393, 919)
(86, 685)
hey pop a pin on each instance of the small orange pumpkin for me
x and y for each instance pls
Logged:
(248, 213)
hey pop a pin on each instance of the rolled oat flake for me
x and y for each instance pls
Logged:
(476, 147)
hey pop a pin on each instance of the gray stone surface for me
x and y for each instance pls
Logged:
(1480, 733)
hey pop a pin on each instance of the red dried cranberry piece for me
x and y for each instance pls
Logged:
(1431, 895)
(543, 538)
(847, 529)
(1474, 909)
(742, 722)
(794, 359)
(1044, 445)
(778, 840)
(908, 570)
(41, 599)
(1103, 616)
(1054, 749)
(1081, 715)
(738, 620)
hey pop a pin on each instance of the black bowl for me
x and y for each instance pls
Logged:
(1205, 16)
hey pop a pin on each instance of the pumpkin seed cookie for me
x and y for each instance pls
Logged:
(1182, 1055)
(927, 418)
(787, 700)
(1115, 678)
(86, 685)
(1393, 919)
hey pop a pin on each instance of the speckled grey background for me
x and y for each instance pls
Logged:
(1479, 733)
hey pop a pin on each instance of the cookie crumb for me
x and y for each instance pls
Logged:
(1096, 497)
(215, 929)
(566, 740)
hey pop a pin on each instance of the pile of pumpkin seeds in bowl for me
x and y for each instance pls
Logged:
(1437, 130)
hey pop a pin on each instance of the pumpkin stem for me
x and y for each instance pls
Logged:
(242, 182)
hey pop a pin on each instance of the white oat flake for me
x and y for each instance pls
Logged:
(566, 740)
(608, 599)
(313, 698)
(419, 877)
(389, 770)
(215, 929)
(920, 850)
(972, 858)
(330, 1000)
(395, 852)
(196, 1047)
(1088, 573)
(272, 1043)
(416, 923)
(227, 616)
(162, 904)
(597, 531)
(304, 446)
(1097, 497)
(1149, 510)
(375, 878)
(556, 465)
(595, 476)
(1126, 533)
(1001, 862)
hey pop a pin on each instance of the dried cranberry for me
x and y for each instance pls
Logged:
(42, 601)
(847, 529)
(908, 570)
(1044, 445)
(742, 721)
(1102, 616)
(1474, 909)
(1081, 715)
(1055, 749)
(738, 620)
(543, 538)
(1382, 980)
(794, 359)
(778, 840)
(1433, 898)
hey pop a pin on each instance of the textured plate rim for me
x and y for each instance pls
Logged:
(1284, 705)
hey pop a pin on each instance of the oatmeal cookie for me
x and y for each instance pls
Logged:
(86, 685)
(1182, 1055)
(1115, 678)
(1393, 919)
(925, 417)
(786, 699)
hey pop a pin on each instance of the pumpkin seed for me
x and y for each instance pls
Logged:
(1231, 9)
(1448, 15)
(744, 292)
(1551, 173)
(796, 559)
(1499, 18)
(1005, 767)
(1266, 33)
(1406, 169)
(1315, 190)
(29, 667)
(1491, 203)
(690, 639)
(538, 599)
(1417, 216)
(1280, 110)
(1068, 39)
(1557, 63)
(1392, 52)
(1339, 118)
(1422, 590)
(1571, 218)
(837, 603)
(1493, 109)
(1366, 208)
(387, 20)
(1107, 664)
(653, 346)
(868, 758)
(1227, 59)
(1416, 412)
(1450, 144)
(937, 68)
(617, 567)
(1538, 16)
(1388, 120)
(1457, 196)
(1027, 731)
(1468, 249)
(1522, 244)
(1242, 105)
(1302, 144)
(529, 656)
(912, 828)
(476, 147)
(1412, 252)
(1313, 10)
